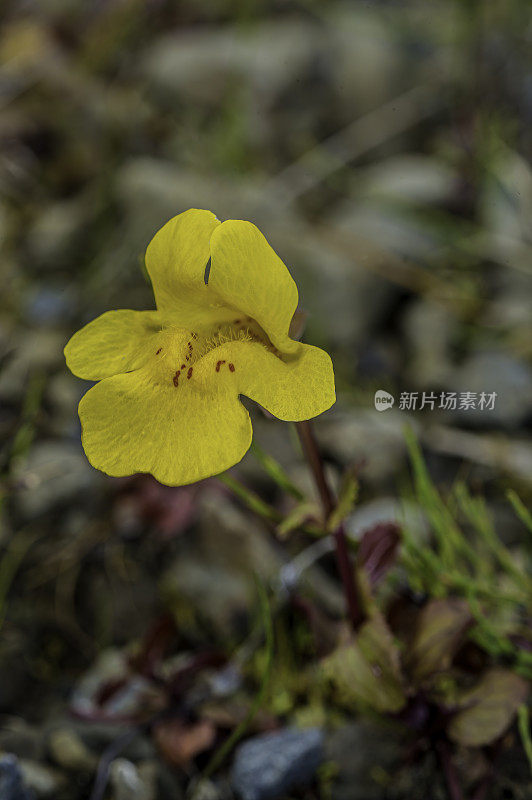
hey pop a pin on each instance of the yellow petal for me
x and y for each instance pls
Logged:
(292, 388)
(180, 434)
(297, 387)
(176, 260)
(114, 342)
(247, 274)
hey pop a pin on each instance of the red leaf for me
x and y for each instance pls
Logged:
(377, 550)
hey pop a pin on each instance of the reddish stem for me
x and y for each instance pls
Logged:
(449, 770)
(343, 561)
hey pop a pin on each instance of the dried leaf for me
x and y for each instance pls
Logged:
(489, 708)
(441, 628)
(180, 743)
(366, 669)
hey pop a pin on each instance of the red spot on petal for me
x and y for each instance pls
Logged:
(194, 335)
(232, 367)
(158, 351)
(175, 379)
(189, 373)
(182, 366)
(218, 365)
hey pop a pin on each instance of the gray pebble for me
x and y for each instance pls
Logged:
(267, 766)
(11, 781)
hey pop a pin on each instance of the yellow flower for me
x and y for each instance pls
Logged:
(167, 401)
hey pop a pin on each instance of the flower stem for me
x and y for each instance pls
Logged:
(343, 561)
(449, 771)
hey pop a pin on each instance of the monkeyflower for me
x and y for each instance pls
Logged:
(167, 398)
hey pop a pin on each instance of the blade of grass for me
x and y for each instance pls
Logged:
(523, 722)
(276, 472)
(10, 564)
(442, 523)
(520, 509)
(250, 498)
(476, 512)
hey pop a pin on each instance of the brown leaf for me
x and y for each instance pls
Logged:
(366, 670)
(180, 743)
(488, 709)
(441, 628)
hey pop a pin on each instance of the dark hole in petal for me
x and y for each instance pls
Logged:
(207, 271)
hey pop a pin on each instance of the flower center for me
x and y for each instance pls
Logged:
(179, 351)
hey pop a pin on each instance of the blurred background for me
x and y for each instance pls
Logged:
(384, 150)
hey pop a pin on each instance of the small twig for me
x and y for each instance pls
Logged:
(109, 755)
(345, 567)
(291, 572)
(352, 142)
